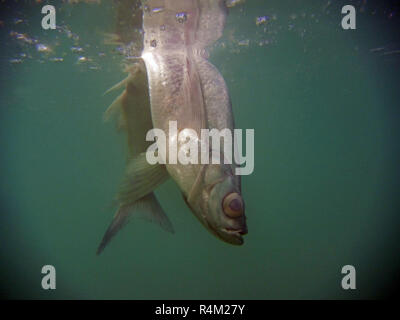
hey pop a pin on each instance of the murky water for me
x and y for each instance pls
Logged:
(324, 103)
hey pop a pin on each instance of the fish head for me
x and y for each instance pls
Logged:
(219, 204)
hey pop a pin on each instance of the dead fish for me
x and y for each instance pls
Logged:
(135, 119)
(173, 81)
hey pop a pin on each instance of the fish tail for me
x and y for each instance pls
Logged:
(147, 208)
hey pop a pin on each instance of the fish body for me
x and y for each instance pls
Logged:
(180, 86)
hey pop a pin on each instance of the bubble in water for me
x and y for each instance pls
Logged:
(76, 49)
(158, 10)
(18, 21)
(15, 61)
(261, 20)
(56, 59)
(42, 48)
(232, 3)
(22, 37)
(181, 17)
(82, 59)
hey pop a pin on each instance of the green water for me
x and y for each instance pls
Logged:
(324, 192)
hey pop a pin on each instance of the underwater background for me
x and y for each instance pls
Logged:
(324, 103)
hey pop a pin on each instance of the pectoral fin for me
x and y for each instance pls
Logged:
(147, 208)
(119, 85)
(114, 107)
(136, 77)
(140, 179)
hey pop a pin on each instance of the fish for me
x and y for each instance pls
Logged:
(171, 80)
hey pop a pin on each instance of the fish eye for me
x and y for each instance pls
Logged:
(232, 205)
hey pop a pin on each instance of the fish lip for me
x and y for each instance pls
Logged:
(233, 236)
(240, 232)
(236, 233)
(230, 232)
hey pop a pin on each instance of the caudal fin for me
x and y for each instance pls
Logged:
(147, 208)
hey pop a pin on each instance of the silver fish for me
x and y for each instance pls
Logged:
(176, 82)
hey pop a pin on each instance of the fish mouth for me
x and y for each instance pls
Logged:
(227, 234)
(234, 236)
